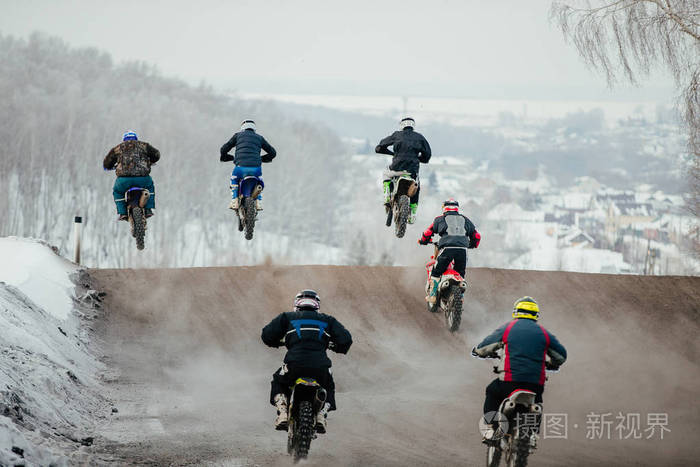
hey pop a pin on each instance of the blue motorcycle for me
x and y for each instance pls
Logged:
(248, 191)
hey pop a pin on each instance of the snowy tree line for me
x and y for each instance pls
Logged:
(63, 108)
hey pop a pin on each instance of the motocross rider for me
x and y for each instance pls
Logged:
(307, 334)
(132, 160)
(526, 345)
(246, 158)
(410, 148)
(457, 234)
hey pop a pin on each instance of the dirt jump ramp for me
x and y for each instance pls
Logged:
(190, 376)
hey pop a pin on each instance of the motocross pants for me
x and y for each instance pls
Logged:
(239, 173)
(284, 378)
(414, 198)
(122, 184)
(446, 256)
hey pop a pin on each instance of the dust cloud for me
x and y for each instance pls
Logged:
(192, 380)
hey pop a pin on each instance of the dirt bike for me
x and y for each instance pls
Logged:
(515, 424)
(450, 293)
(136, 199)
(304, 404)
(248, 190)
(402, 187)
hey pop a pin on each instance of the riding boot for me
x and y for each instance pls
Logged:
(234, 198)
(321, 418)
(258, 203)
(282, 416)
(387, 191)
(432, 296)
(414, 209)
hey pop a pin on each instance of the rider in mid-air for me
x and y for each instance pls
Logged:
(132, 160)
(247, 158)
(307, 334)
(457, 234)
(410, 148)
(526, 345)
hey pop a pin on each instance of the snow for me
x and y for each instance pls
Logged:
(50, 394)
(39, 273)
(573, 259)
(460, 111)
(513, 212)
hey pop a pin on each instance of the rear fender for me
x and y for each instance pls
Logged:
(251, 187)
(404, 185)
(448, 280)
(133, 197)
(306, 389)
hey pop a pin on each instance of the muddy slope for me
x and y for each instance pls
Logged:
(191, 376)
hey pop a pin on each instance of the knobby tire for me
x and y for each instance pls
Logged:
(453, 312)
(304, 430)
(139, 223)
(249, 207)
(403, 211)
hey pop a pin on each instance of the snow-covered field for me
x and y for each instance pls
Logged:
(49, 396)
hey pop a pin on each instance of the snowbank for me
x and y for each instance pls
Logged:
(49, 396)
(39, 273)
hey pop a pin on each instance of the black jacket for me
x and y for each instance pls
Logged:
(455, 230)
(307, 334)
(248, 145)
(410, 148)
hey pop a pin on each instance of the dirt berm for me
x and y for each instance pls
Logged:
(190, 376)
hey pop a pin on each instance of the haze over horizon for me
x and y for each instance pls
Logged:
(463, 49)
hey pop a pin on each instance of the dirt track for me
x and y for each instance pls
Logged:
(191, 376)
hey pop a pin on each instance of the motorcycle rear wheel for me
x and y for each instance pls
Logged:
(304, 430)
(493, 456)
(249, 224)
(139, 226)
(453, 311)
(403, 210)
(520, 451)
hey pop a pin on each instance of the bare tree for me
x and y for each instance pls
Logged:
(628, 38)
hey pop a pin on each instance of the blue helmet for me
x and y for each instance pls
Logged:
(130, 136)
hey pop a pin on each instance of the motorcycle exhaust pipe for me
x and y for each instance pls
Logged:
(145, 194)
(535, 408)
(321, 395)
(463, 285)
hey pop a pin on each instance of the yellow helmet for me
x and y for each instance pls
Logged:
(526, 307)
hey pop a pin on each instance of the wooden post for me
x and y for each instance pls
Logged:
(78, 222)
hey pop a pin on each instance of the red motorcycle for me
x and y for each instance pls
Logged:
(450, 293)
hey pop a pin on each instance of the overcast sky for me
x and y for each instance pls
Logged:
(461, 48)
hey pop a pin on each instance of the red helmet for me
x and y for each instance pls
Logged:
(450, 205)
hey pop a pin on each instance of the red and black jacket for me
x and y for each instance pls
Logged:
(455, 230)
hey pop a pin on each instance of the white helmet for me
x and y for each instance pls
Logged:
(247, 125)
(407, 122)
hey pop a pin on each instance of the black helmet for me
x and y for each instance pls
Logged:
(307, 300)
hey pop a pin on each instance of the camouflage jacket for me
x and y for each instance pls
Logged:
(131, 159)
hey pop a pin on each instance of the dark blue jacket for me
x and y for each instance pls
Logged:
(410, 148)
(248, 145)
(525, 345)
(307, 334)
